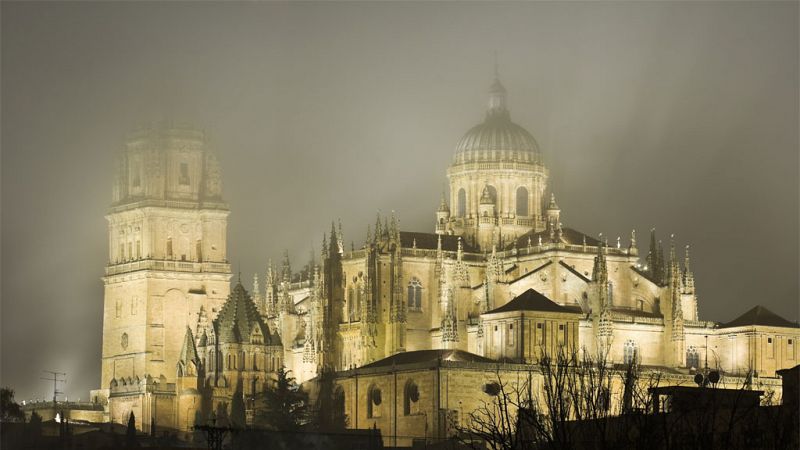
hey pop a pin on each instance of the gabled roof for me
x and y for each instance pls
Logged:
(531, 300)
(568, 236)
(429, 241)
(420, 356)
(760, 315)
(238, 317)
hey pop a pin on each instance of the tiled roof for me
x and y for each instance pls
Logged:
(429, 241)
(531, 300)
(420, 356)
(238, 317)
(760, 315)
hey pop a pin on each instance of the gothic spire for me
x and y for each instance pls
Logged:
(286, 274)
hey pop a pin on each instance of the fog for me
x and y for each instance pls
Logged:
(679, 116)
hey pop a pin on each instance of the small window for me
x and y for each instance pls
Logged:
(538, 326)
(769, 340)
(790, 342)
(561, 328)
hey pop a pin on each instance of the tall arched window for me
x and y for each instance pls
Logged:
(357, 305)
(414, 294)
(462, 202)
(169, 247)
(351, 303)
(630, 352)
(522, 201)
(410, 398)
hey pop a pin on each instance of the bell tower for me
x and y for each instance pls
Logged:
(167, 228)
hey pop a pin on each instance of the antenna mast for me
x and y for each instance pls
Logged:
(55, 377)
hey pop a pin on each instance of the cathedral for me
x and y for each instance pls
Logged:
(412, 324)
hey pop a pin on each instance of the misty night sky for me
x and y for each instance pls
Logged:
(682, 116)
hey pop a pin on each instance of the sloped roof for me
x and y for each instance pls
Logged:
(188, 350)
(575, 272)
(429, 241)
(420, 356)
(569, 236)
(760, 315)
(238, 317)
(531, 300)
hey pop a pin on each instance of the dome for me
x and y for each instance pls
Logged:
(497, 138)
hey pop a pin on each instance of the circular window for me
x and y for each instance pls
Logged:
(124, 341)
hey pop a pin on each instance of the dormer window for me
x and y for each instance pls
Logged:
(183, 179)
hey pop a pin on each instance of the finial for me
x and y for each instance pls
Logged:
(686, 257)
(633, 237)
(619, 241)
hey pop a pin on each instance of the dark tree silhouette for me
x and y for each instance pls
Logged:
(238, 417)
(10, 410)
(283, 406)
(130, 433)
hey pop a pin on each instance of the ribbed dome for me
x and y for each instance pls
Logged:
(497, 132)
(497, 138)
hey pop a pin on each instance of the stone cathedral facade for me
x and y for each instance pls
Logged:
(500, 278)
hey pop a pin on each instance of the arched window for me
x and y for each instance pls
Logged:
(462, 202)
(522, 201)
(410, 398)
(414, 294)
(199, 250)
(357, 306)
(692, 357)
(374, 401)
(630, 352)
(169, 247)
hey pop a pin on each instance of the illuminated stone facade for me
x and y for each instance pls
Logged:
(498, 279)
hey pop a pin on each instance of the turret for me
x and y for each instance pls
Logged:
(486, 207)
(286, 272)
(442, 216)
(553, 213)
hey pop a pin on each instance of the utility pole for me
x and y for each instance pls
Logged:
(55, 377)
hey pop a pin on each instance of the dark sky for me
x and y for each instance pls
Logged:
(682, 116)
